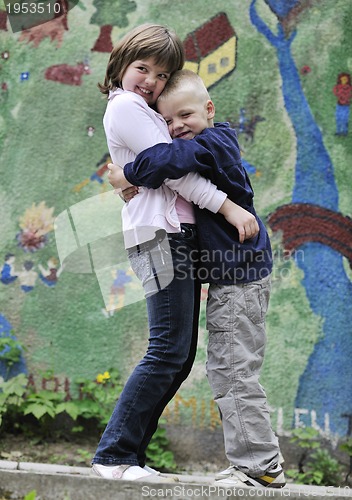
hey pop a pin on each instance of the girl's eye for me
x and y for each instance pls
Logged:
(141, 68)
(164, 76)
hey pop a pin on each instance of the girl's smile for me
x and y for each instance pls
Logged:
(145, 78)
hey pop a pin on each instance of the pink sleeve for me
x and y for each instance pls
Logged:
(201, 191)
(134, 124)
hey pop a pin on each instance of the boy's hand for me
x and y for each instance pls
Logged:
(243, 220)
(117, 178)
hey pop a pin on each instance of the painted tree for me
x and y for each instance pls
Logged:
(325, 386)
(110, 13)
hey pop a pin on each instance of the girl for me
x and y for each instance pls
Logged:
(160, 237)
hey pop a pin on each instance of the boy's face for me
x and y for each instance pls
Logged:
(145, 78)
(186, 114)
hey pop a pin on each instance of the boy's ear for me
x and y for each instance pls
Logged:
(210, 109)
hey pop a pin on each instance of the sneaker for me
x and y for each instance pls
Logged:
(236, 479)
(273, 478)
(127, 473)
(227, 472)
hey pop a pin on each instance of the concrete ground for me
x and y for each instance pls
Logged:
(59, 482)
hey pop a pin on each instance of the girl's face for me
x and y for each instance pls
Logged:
(145, 78)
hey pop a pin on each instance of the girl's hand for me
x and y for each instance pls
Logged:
(117, 178)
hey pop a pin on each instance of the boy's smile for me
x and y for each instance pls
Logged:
(186, 114)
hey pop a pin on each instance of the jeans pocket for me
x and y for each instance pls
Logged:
(141, 265)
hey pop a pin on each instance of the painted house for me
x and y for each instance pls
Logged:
(211, 49)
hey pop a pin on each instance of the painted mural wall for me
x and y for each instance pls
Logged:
(280, 72)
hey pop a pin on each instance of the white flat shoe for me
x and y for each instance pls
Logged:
(129, 473)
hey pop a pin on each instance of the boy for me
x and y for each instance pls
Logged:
(238, 273)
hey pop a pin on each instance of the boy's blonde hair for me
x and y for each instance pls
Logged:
(143, 42)
(185, 78)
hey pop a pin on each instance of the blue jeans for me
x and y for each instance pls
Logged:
(173, 313)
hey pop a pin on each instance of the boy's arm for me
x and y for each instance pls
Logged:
(169, 161)
(240, 218)
(192, 187)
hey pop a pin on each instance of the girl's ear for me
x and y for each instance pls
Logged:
(210, 109)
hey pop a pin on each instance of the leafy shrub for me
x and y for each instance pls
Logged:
(95, 402)
(315, 465)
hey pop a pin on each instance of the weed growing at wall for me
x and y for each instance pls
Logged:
(315, 465)
(347, 448)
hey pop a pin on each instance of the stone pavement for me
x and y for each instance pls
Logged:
(60, 482)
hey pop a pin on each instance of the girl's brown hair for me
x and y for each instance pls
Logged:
(143, 42)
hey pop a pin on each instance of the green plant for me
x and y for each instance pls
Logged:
(98, 397)
(12, 396)
(95, 402)
(45, 404)
(347, 448)
(157, 452)
(306, 438)
(315, 465)
(10, 351)
(32, 495)
(85, 456)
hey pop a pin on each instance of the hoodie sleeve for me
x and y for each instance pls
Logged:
(169, 161)
(177, 165)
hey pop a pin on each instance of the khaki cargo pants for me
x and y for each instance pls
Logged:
(237, 337)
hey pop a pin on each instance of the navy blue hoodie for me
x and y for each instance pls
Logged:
(214, 154)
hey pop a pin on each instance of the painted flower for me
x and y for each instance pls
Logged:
(305, 70)
(35, 224)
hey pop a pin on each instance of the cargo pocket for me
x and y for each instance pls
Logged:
(257, 301)
(219, 309)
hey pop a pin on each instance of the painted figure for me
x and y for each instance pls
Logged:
(27, 277)
(102, 167)
(50, 275)
(7, 272)
(343, 92)
(117, 291)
